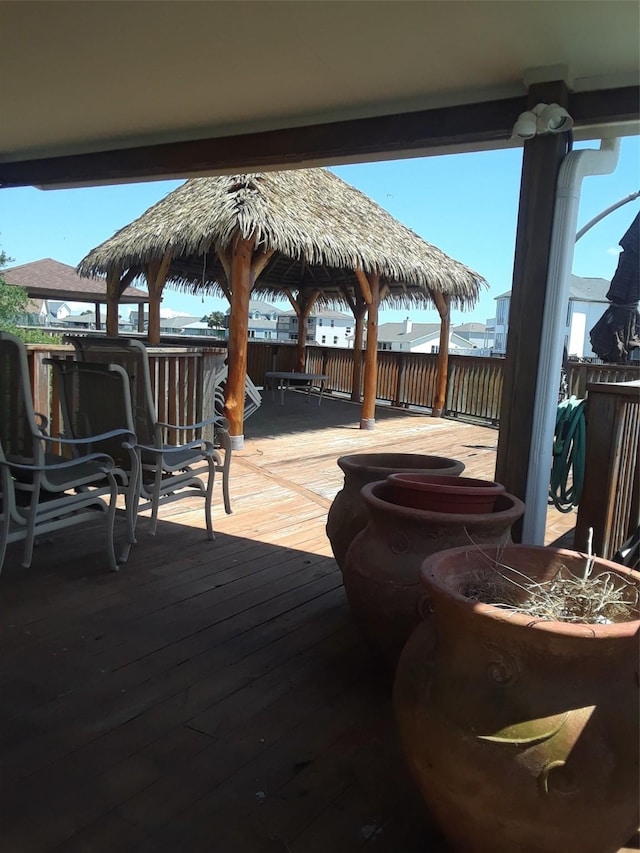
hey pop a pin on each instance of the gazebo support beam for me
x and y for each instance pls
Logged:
(358, 309)
(113, 296)
(241, 283)
(443, 304)
(156, 275)
(116, 286)
(370, 286)
(302, 306)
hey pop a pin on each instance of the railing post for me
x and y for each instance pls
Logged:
(609, 502)
(399, 394)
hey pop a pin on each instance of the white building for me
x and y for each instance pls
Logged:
(263, 321)
(326, 328)
(477, 334)
(408, 336)
(587, 304)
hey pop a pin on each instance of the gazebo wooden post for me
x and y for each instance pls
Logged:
(241, 269)
(302, 306)
(358, 340)
(370, 286)
(358, 308)
(113, 297)
(96, 308)
(156, 275)
(241, 281)
(443, 304)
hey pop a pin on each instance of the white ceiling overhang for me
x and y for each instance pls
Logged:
(92, 77)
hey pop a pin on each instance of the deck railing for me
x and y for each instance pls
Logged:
(183, 388)
(610, 503)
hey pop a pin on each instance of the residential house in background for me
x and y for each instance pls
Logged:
(476, 334)
(408, 336)
(201, 328)
(263, 321)
(587, 303)
(327, 328)
(57, 293)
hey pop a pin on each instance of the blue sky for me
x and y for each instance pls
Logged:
(464, 203)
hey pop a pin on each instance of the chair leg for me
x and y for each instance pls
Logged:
(155, 499)
(4, 538)
(208, 496)
(110, 524)
(225, 443)
(30, 529)
(132, 498)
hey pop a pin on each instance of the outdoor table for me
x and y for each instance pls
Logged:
(282, 380)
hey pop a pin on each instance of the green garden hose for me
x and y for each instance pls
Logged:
(567, 470)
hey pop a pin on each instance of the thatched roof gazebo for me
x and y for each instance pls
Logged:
(303, 233)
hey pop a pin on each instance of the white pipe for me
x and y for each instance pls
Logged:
(575, 166)
(604, 213)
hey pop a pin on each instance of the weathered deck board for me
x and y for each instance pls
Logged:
(214, 696)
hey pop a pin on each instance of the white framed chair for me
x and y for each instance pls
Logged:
(168, 470)
(42, 491)
(252, 397)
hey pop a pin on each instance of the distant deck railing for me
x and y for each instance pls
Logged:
(181, 377)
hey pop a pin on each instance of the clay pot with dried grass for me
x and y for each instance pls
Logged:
(521, 726)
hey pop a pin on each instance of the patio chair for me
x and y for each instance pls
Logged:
(95, 400)
(41, 491)
(167, 469)
(252, 397)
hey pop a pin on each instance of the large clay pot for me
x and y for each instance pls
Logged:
(347, 514)
(521, 734)
(444, 494)
(382, 567)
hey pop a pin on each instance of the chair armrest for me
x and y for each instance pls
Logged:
(197, 444)
(129, 442)
(107, 465)
(217, 420)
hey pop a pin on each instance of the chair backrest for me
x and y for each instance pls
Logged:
(18, 426)
(132, 356)
(95, 398)
(252, 397)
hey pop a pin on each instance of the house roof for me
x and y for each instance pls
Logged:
(390, 332)
(324, 314)
(589, 289)
(581, 289)
(470, 327)
(258, 305)
(49, 279)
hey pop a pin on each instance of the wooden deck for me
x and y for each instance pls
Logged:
(214, 696)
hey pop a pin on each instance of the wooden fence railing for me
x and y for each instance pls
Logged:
(183, 388)
(610, 503)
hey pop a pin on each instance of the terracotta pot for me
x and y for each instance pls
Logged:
(521, 734)
(382, 567)
(442, 494)
(347, 514)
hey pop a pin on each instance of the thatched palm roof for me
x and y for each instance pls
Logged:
(320, 227)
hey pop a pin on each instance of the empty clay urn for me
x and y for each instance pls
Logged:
(347, 514)
(382, 567)
(442, 494)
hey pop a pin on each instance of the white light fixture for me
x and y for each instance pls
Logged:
(543, 118)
